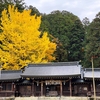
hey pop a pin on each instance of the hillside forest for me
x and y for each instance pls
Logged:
(62, 35)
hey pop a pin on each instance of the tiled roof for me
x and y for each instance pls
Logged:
(53, 69)
(10, 75)
(89, 74)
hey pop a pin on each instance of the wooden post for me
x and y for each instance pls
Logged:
(94, 90)
(41, 88)
(0, 87)
(91, 87)
(12, 86)
(32, 88)
(70, 87)
(60, 88)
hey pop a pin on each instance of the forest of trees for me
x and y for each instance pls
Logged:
(75, 40)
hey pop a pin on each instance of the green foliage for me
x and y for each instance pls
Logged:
(85, 22)
(18, 3)
(92, 48)
(34, 10)
(62, 25)
(76, 39)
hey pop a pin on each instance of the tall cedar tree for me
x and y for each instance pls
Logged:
(21, 42)
(92, 49)
(76, 39)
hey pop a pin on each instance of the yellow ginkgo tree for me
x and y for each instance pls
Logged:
(21, 41)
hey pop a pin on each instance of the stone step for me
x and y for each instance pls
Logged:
(7, 98)
(51, 98)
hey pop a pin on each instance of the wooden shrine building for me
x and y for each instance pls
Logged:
(7, 82)
(51, 79)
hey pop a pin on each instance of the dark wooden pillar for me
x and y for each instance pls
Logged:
(41, 88)
(60, 88)
(70, 85)
(0, 87)
(32, 88)
(92, 88)
(13, 87)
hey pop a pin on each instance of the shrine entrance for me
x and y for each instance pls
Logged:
(53, 88)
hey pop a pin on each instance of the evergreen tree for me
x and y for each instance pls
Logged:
(17, 3)
(34, 10)
(65, 27)
(92, 49)
(76, 39)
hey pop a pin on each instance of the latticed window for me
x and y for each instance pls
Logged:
(7, 87)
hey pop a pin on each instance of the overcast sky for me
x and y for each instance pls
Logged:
(80, 8)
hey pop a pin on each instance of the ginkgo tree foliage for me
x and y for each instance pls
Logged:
(21, 41)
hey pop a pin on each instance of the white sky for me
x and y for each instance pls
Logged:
(80, 8)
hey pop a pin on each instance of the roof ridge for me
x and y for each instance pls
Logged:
(54, 64)
(10, 71)
(89, 69)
